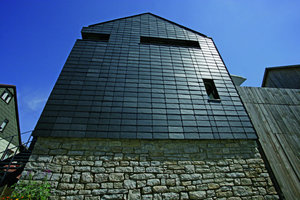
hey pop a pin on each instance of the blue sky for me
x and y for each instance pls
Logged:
(36, 37)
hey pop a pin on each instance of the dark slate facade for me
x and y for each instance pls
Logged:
(143, 77)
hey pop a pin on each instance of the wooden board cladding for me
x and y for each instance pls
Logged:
(275, 114)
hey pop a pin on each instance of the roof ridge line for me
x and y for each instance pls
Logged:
(154, 16)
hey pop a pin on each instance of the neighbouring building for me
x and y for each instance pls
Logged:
(275, 112)
(13, 153)
(145, 108)
(282, 77)
(9, 121)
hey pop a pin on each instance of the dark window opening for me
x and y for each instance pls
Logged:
(211, 89)
(6, 96)
(169, 42)
(95, 36)
(3, 125)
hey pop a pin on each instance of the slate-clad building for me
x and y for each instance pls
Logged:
(144, 108)
(140, 77)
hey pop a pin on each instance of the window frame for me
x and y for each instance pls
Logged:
(3, 125)
(169, 42)
(211, 90)
(6, 96)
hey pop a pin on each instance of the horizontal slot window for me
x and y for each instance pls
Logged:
(95, 36)
(169, 42)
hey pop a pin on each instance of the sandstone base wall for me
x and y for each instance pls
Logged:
(151, 169)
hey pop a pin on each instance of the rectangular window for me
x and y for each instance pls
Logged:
(169, 42)
(95, 36)
(3, 125)
(6, 96)
(211, 89)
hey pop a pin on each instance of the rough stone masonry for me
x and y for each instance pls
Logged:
(151, 169)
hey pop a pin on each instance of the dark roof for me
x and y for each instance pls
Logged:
(286, 77)
(154, 16)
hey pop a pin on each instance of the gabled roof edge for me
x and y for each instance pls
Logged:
(154, 16)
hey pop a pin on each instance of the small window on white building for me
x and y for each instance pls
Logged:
(6, 96)
(3, 125)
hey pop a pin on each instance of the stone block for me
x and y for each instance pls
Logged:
(76, 178)
(190, 187)
(186, 183)
(66, 178)
(139, 169)
(87, 177)
(160, 189)
(134, 163)
(54, 168)
(190, 177)
(141, 184)
(142, 176)
(112, 196)
(177, 189)
(90, 186)
(129, 184)
(111, 163)
(99, 191)
(246, 181)
(242, 190)
(107, 185)
(155, 163)
(154, 170)
(67, 169)
(124, 169)
(235, 175)
(82, 168)
(197, 195)
(115, 177)
(117, 191)
(99, 178)
(170, 182)
(213, 186)
(144, 164)
(87, 163)
(44, 158)
(146, 190)
(98, 169)
(224, 194)
(189, 168)
(79, 186)
(98, 163)
(134, 194)
(184, 196)
(66, 186)
(152, 182)
(147, 197)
